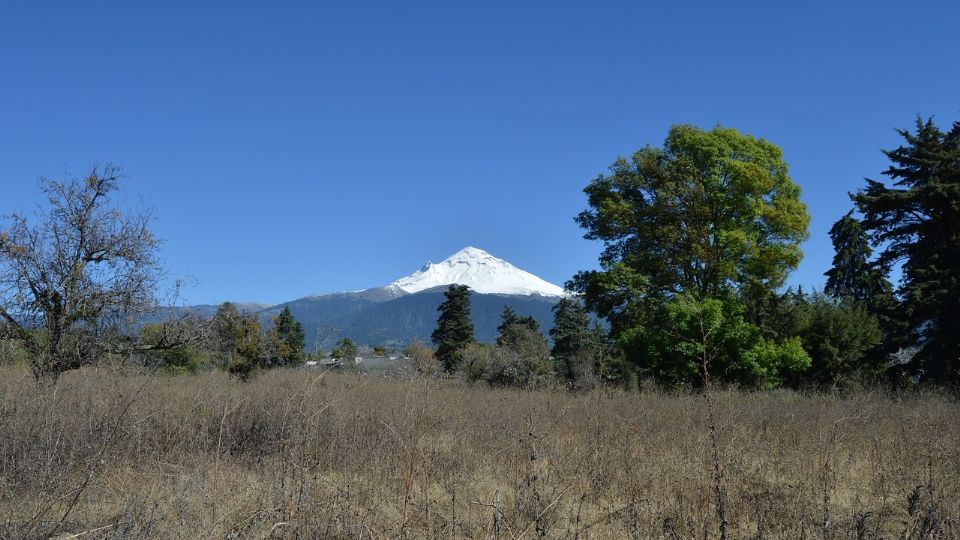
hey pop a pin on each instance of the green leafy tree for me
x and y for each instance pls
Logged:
(454, 329)
(691, 227)
(840, 335)
(694, 340)
(916, 222)
(288, 340)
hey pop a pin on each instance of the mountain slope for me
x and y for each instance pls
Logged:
(400, 321)
(407, 308)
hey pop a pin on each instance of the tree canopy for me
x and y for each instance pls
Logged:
(73, 278)
(915, 222)
(687, 229)
(853, 276)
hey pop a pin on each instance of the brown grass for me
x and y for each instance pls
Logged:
(294, 455)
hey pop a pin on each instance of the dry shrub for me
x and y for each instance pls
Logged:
(296, 455)
(423, 359)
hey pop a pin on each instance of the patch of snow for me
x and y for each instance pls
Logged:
(480, 271)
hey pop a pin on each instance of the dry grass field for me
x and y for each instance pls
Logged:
(296, 455)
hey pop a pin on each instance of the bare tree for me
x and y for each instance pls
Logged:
(74, 278)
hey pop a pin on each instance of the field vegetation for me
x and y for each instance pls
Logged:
(299, 453)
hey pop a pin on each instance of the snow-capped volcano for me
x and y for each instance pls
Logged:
(480, 271)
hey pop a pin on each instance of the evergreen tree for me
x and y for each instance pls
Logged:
(238, 340)
(289, 340)
(510, 323)
(345, 351)
(916, 221)
(852, 276)
(454, 329)
(570, 333)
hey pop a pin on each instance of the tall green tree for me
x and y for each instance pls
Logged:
(510, 325)
(710, 216)
(852, 275)
(916, 221)
(571, 334)
(288, 340)
(454, 329)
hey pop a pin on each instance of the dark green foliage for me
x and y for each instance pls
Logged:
(687, 229)
(176, 360)
(454, 329)
(287, 340)
(180, 360)
(345, 351)
(521, 356)
(571, 334)
(395, 322)
(511, 325)
(852, 276)
(698, 341)
(237, 340)
(523, 360)
(841, 336)
(916, 222)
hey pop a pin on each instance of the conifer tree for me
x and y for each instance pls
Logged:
(238, 340)
(917, 222)
(454, 329)
(852, 276)
(289, 340)
(571, 334)
(345, 351)
(510, 325)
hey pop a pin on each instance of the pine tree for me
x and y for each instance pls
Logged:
(346, 352)
(454, 329)
(289, 340)
(238, 341)
(917, 222)
(510, 325)
(852, 276)
(570, 333)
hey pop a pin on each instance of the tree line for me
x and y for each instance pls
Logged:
(699, 236)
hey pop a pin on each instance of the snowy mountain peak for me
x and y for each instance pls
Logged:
(480, 271)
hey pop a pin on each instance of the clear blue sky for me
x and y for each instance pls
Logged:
(299, 147)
